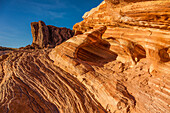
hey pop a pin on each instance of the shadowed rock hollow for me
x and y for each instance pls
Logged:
(118, 62)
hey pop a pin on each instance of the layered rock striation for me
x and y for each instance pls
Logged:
(134, 37)
(117, 62)
(48, 36)
(139, 27)
(108, 72)
(30, 82)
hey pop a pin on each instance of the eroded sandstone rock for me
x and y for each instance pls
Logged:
(30, 82)
(138, 34)
(140, 28)
(115, 64)
(40, 33)
(48, 36)
(116, 85)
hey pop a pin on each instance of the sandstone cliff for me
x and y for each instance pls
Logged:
(118, 62)
(48, 36)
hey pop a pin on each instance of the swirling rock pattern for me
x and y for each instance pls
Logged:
(116, 84)
(118, 62)
(137, 32)
(30, 82)
(140, 27)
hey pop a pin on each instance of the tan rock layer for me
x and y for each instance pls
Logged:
(143, 13)
(117, 86)
(138, 36)
(140, 28)
(30, 82)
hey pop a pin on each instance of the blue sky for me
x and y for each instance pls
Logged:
(16, 16)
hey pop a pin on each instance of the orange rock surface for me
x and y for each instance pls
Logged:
(140, 27)
(123, 55)
(117, 62)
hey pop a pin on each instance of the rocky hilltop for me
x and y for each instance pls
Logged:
(118, 61)
(48, 36)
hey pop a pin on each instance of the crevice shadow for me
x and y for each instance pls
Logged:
(95, 51)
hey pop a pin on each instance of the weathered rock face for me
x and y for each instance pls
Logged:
(106, 70)
(48, 36)
(58, 35)
(30, 82)
(118, 62)
(134, 37)
(140, 27)
(40, 33)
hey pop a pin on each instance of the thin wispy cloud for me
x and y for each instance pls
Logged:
(7, 35)
(8, 31)
(11, 34)
(9, 40)
(51, 5)
(49, 8)
(56, 14)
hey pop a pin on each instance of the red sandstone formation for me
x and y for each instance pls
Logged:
(49, 36)
(118, 62)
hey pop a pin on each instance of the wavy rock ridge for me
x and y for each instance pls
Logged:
(136, 34)
(142, 25)
(30, 82)
(117, 62)
(117, 86)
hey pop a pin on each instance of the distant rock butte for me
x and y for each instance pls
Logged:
(118, 61)
(49, 36)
